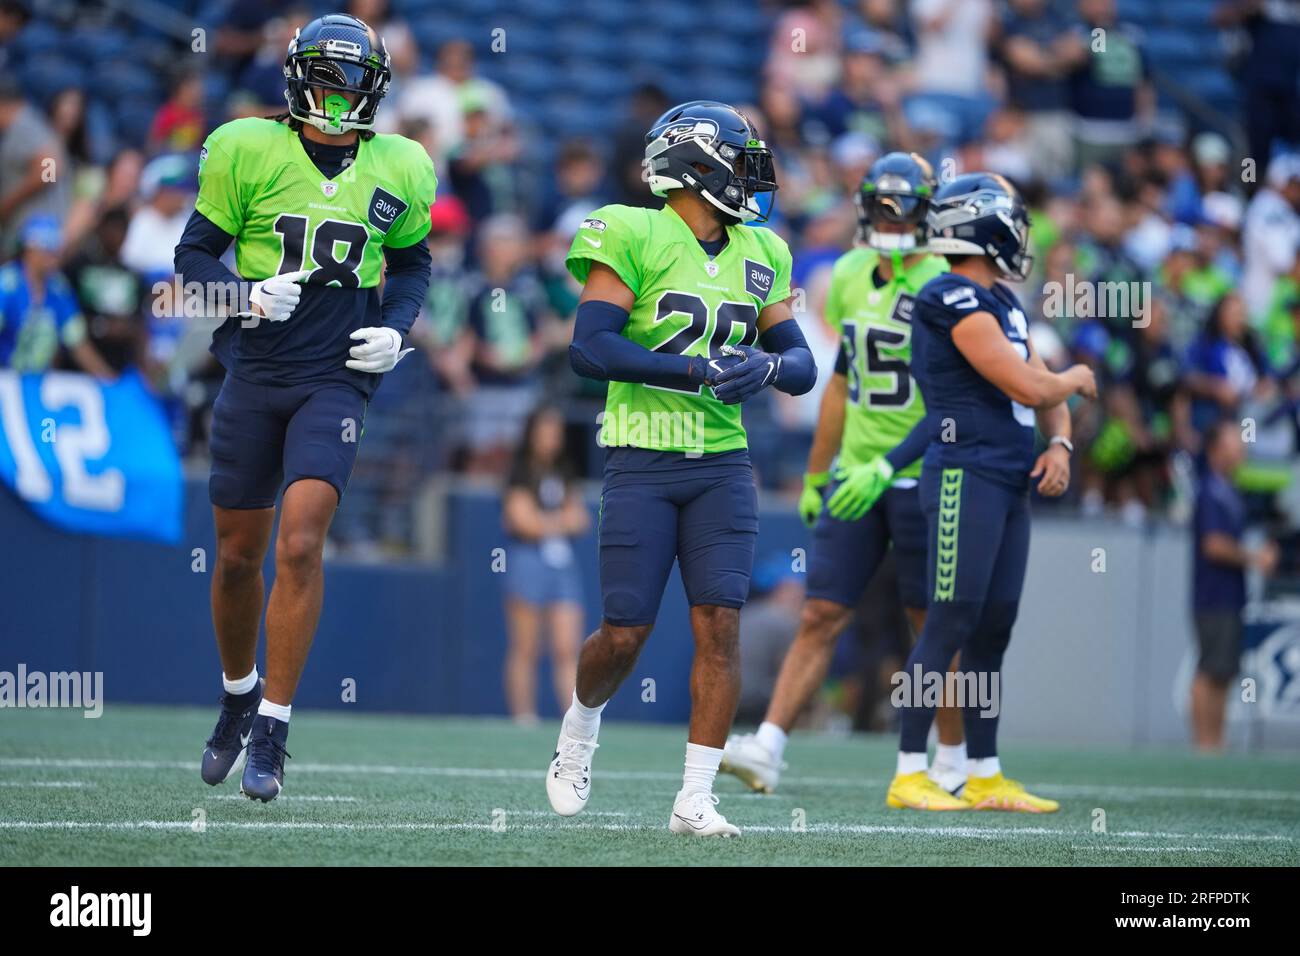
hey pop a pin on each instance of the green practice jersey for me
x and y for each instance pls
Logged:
(875, 326)
(687, 304)
(258, 184)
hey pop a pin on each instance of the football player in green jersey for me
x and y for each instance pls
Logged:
(317, 206)
(672, 305)
(869, 407)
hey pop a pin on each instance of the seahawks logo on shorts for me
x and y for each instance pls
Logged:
(758, 279)
(384, 209)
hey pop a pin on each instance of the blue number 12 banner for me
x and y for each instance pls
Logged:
(91, 457)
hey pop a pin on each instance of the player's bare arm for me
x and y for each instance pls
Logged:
(980, 340)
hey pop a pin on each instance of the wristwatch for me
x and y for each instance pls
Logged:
(1063, 442)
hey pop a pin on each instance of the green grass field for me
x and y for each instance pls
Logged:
(124, 789)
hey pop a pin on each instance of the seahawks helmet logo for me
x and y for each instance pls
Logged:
(690, 129)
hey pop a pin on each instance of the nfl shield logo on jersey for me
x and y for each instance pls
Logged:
(329, 189)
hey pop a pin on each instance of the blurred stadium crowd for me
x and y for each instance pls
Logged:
(1150, 139)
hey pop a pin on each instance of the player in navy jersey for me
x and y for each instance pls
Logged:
(985, 389)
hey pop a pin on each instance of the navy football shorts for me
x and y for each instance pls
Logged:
(978, 530)
(844, 555)
(657, 508)
(265, 437)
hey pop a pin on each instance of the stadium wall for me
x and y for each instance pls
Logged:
(1104, 656)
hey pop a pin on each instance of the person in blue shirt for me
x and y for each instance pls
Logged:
(38, 309)
(1219, 565)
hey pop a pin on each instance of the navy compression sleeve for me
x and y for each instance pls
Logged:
(798, 372)
(198, 255)
(406, 281)
(600, 351)
(912, 447)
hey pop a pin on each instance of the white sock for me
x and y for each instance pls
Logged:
(911, 763)
(701, 767)
(771, 738)
(241, 686)
(951, 755)
(278, 711)
(983, 767)
(581, 720)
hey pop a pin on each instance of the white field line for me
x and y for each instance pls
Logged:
(297, 798)
(830, 829)
(45, 784)
(1055, 789)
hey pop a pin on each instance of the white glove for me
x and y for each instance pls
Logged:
(277, 296)
(380, 349)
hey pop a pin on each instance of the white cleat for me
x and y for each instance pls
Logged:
(948, 776)
(568, 779)
(753, 763)
(695, 814)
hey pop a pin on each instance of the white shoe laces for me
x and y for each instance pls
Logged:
(701, 803)
(574, 758)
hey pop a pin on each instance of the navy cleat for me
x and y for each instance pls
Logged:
(264, 771)
(224, 750)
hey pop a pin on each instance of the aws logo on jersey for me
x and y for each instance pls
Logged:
(384, 209)
(903, 308)
(758, 279)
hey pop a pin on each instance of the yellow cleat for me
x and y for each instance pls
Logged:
(999, 793)
(918, 792)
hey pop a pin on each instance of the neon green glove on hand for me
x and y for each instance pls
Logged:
(810, 499)
(860, 487)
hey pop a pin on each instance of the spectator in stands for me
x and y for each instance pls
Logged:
(481, 168)
(259, 86)
(1271, 233)
(803, 55)
(1270, 71)
(867, 99)
(14, 15)
(1219, 581)
(1109, 89)
(31, 158)
(445, 97)
(507, 328)
(951, 65)
(543, 514)
(38, 310)
(112, 297)
(647, 103)
(1040, 52)
(169, 185)
(440, 330)
(179, 124)
(1225, 366)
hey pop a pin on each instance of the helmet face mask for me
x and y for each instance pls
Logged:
(714, 151)
(981, 214)
(337, 71)
(895, 192)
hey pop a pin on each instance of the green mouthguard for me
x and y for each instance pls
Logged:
(335, 107)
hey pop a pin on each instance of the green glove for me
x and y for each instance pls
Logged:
(810, 499)
(859, 488)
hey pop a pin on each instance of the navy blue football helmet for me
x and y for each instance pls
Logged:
(337, 54)
(713, 150)
(897, 190)
(981, 214)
